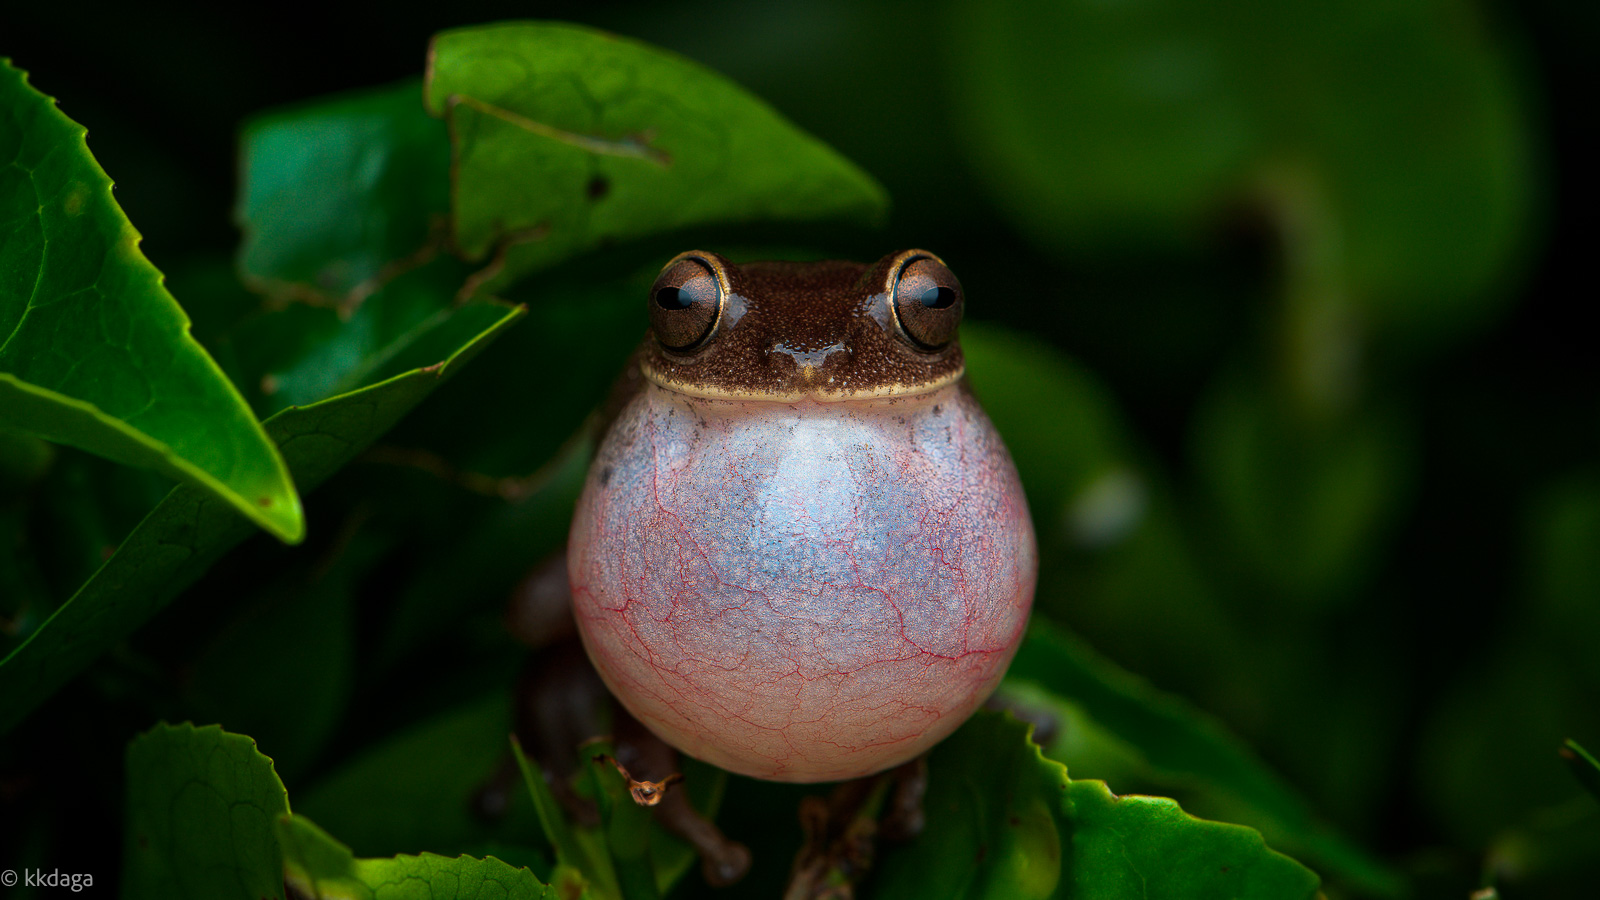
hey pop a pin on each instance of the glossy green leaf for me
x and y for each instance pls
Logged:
(1180, 745)
(190, 530)
(202, 808)
(93, 350)
(338, 196)
(321, 868)
(1005, 822)
(565, 138)
(1383, 141)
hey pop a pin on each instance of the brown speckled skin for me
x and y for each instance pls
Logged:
(782, 316)
(795, 578)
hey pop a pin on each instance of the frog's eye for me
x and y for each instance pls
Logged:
(927, 303)
(685, 304)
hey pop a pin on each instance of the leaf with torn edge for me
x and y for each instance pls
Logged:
(340, 195)
(191, 529)
(565, 138)
(93, 350)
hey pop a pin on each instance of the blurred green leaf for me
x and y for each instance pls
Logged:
(23, 460)
(410, 792)
(290, 703)
(1537, 687)
(1064, 434)
(1003, 821)
(321, 868)
(340, 195)
(1304, 505)
(190, 530)
(1183, 746)
(1384, 137)
(202, 804)
(554, 370)
(93, 350)
(1584, 766)
(1550, 853)
(565, 138)
(62, 529)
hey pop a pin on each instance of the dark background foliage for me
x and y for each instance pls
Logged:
(1417, 693)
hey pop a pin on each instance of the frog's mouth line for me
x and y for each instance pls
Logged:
(818, 392)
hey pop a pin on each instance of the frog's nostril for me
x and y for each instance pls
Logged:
(809, 358)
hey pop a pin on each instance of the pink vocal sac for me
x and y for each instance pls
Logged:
(802, 591)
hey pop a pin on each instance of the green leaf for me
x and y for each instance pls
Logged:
(1005, 822)
(291, 703)
(1074, 461)
(190, 530)
(410, 792)
(300, 354)
(565, 138)
(1537, 684)
(1304, 503)
(93, 350)
(339, 195)
(1183, 746)
(629, 856)
(1383, 141)
(1584, 766)
(625, 826)
(321, 868)
(202, 806)
(569, 851)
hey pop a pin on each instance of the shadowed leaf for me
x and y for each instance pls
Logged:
(191, 529)
(202, 806)
(337, 195)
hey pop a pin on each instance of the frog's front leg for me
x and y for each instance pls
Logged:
(641, 755)
(842, 832)
(561, 704)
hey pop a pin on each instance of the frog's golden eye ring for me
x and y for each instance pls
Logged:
(927, 301)
(686, 303)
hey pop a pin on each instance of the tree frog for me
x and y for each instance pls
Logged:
(802, 552)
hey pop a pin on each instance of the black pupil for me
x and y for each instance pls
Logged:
(938, 297)
(673, 298)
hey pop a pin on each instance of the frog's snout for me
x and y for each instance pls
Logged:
(810, 360)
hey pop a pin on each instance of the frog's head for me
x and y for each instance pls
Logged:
(786, 331)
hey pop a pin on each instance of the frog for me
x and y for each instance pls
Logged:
(801, 552)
